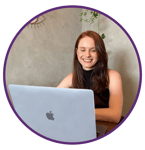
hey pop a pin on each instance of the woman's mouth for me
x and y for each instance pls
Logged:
(87, 60)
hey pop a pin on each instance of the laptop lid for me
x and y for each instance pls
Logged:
(61, 114)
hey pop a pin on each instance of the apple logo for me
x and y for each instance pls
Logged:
(49, 116)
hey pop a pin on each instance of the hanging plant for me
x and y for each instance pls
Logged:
(94, 16)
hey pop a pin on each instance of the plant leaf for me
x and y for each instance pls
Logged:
(86, 20)
(81, 13)
(103, 36)
(85, 13)
(81, 19)
(95, 14)
(92, 12)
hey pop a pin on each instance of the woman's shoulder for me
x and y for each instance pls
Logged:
(70, 76)
(66, 82)
(113, 74)
(114, 78)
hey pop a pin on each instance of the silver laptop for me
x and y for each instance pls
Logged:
(61, 114)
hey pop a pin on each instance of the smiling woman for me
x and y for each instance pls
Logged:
(86, 53)
(91, 71)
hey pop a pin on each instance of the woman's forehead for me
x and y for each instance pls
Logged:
(86, 42)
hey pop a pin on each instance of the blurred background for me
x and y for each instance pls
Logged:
(42, 54)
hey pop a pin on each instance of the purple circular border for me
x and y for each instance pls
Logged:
(62, 7)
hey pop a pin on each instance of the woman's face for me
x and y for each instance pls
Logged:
(86, 53)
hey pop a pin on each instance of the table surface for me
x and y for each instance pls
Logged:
(109, 125)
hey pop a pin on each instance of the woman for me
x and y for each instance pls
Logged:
(91, 71)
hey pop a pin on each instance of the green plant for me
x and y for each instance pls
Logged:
(94, 16)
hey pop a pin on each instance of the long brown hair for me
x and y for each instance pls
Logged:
(99, 78)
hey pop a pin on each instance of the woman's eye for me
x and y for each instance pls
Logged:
(82, 50)
(93, 50)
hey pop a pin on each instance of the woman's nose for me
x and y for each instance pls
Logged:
(87, 53)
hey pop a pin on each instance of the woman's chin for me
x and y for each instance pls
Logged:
(87, 68)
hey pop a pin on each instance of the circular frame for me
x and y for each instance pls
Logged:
(62, 7)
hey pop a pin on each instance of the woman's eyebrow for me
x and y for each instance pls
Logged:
(81, 47)
(92, 48)
(86, 47)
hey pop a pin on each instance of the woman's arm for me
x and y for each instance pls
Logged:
(66, 82)
(114, 112)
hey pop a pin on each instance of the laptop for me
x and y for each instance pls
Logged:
(61, 114)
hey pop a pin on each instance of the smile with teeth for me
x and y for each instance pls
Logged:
(87, 60)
